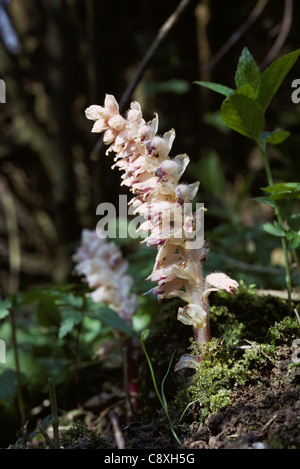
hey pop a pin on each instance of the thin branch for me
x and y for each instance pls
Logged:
(283, 33)
(254, 14)
(162, 34)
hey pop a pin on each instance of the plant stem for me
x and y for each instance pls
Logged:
(195, 290)
(279, 218)
(54, 414)
(17, 363)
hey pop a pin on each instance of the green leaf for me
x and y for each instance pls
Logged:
(264, 200)
(283, 187)
(4, 308)
(244, 115)
(247, 72)
(293, 239)
(273, 76)
(284, 191)
(274, 229)
(68, 324)
(109, 317)
(222, 89)
(276, 137)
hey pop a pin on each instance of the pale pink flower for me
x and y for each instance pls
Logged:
(105, 271)
(153, 177)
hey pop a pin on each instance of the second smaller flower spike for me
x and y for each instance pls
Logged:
(105, 271)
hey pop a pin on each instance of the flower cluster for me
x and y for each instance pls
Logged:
(160, 198)
(105, 271)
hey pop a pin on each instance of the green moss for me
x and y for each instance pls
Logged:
(244, 315)
(80, 436)
(284, 332)
(219, 372)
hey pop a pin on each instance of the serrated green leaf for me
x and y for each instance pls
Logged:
(273, 76)
(247, 72)
(68, 323)
(244, 115)
(276, 137)
(218, 88)
(274, 229)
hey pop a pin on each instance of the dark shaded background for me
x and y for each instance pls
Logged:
(62, 56)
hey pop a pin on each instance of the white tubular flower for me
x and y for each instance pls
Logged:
(219, 281)
(153, 177)
(192, 315)
(105, 271)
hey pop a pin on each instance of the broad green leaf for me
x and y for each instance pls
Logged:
(283, 187)
(274, 229)
(264, 200)
(4, 308)
(273, 76)
(222, 89)
(109, 317)
(247, 72)
(244, 115)
(276, 137)
(284, 191)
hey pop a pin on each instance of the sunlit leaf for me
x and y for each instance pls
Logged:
(274, 229)
(247, 72)
(243, 115)
(222, 89)
(273, 76)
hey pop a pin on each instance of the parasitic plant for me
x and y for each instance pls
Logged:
(164, 203)
(105, 271)
(104, 268)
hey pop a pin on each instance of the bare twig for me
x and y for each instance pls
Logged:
(283, 33)
(254, 14)
(162, 33)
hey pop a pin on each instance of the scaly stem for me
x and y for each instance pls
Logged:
(195, 290)
(279, 218)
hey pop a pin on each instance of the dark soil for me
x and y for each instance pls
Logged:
(265, 415)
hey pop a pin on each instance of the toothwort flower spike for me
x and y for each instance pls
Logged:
(105, 270)
(160, 198)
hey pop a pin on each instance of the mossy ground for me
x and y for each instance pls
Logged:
(245, 393)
